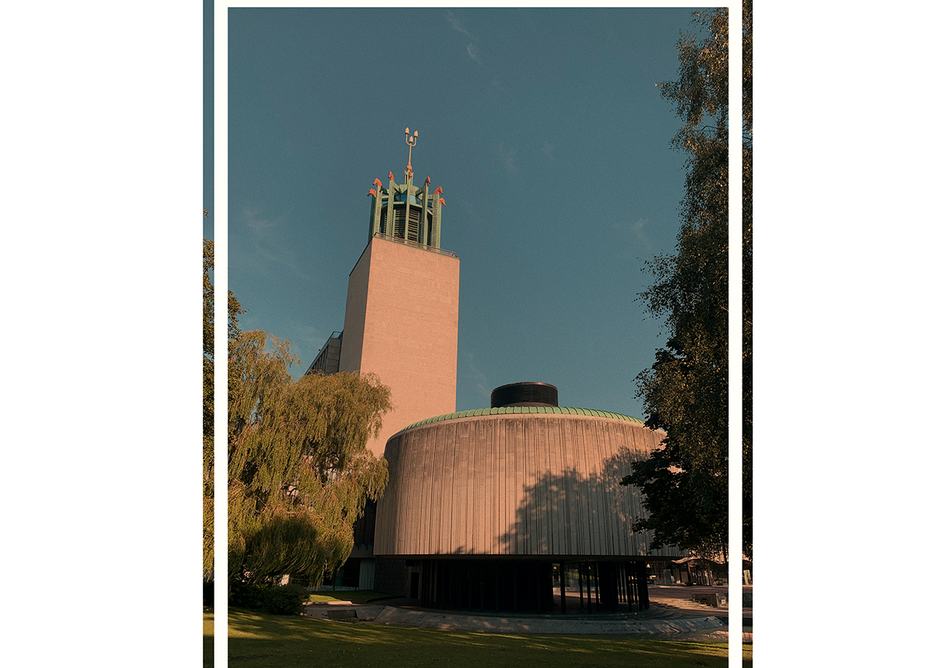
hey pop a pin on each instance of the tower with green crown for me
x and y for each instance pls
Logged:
(403, 211)
(401, 314)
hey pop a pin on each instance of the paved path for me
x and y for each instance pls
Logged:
(672, 615)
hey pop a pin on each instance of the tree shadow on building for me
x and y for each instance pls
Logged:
(574, 513)
(581, 525)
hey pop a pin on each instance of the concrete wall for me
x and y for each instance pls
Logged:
(524, 485)
(401, 322)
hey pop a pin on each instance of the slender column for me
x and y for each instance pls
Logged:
(434, 239)
(406, 208)
(626, 587)
(630, 583)
(562, 604)
(391, 218)
(644, 592)
(424, 214)
(375, 215)
(588, 585)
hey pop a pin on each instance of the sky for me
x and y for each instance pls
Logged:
(548, 136)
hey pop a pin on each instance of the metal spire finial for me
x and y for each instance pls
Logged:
(411, 143)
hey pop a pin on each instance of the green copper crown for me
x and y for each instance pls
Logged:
(403, 211)
(523, 410)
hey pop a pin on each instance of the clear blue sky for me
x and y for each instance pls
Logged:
(544, 129)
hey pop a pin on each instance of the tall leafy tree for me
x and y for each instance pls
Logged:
(747, 249)
(299, 469)
(234, 309)
(207, 410)
(685, 392)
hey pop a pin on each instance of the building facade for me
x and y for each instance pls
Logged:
(511, 507)
(401, 324)
(495, 508)
(401, 313)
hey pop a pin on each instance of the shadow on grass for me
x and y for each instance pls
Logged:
(270, 641)
(208, 638)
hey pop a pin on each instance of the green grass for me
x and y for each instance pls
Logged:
(353, 596)
(270, 641)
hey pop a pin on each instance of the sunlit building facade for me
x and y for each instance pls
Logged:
(513, 507)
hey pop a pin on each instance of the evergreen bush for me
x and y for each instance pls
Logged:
(285, 600)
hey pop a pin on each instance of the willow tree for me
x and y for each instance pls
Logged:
(747, 250)
(207, 410)
(234, 309)
(685, 392)
(299, 468)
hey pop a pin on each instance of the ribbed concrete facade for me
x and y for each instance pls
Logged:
(524, 483)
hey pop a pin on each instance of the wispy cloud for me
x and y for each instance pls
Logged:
(509, 158)
(283, 258)
(254, 219)
(480, 380)
(267, 242)
(455, 23)
(311, 340)
(638, 230)
(473, 51)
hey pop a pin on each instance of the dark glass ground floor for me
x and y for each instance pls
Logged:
(517, 585)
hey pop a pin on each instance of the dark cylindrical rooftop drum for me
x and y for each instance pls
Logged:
(525, 394)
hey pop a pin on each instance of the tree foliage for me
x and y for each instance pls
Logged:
(207, 410)
(685, 392)
(299, 470)
(747, 250)
(234, 309)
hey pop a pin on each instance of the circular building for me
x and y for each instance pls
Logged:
(502, 508)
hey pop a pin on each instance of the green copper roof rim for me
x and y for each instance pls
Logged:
(522, 410)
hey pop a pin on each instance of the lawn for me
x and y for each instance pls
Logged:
(271, 641)
(208, 637)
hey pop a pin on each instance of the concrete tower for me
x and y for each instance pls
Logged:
(401, 316)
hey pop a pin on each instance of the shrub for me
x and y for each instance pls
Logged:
(248, 595)
(286, 600)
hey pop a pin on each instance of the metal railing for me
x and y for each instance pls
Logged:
(406, 242)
